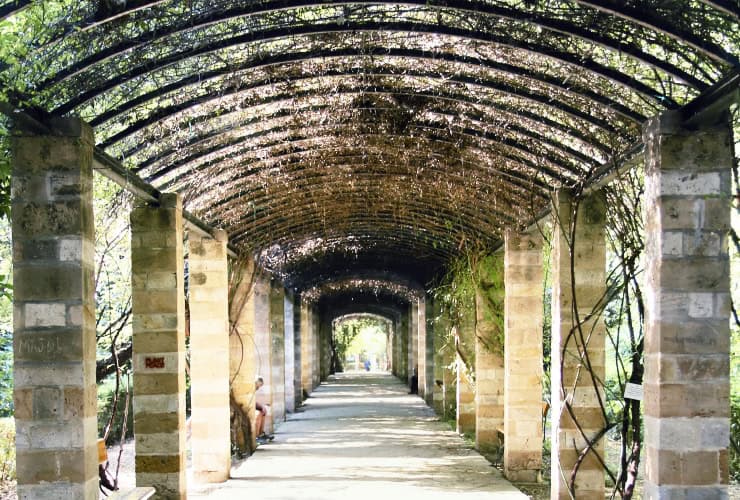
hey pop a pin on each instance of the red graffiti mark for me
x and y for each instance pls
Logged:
(154, 362)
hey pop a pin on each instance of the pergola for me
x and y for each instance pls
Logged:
(364, 145)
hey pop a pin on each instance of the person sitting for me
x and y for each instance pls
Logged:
(260, 415)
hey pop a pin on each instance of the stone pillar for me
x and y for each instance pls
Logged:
(489, 370)
(158, 297)
(54, 313)
(243, 358)
(687, 339)
(209, 358)
(289, 353)
(298, 342)
(441, 355)
(277, 336)
(449, 382)
(413, 341)
(263, 347)
(316, 348)
(421, 346)
(325, 337)
(306, 349)
(577, 385)
(523, 317)
(429, 347)
(402, 334)
(465, 400)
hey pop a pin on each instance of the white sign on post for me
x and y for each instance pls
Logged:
(633, 391)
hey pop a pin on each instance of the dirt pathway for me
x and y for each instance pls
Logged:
(362, 436)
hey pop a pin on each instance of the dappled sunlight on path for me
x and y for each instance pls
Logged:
(361, 436)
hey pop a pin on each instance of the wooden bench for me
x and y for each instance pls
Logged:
(141, 493)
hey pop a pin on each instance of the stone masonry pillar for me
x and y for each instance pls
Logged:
(306, 349)
(54, 313)
(158, 297)
(277, 334)
(466, 390)
(429, 351)
(413, 341)
(297, 343)
(263, 347)
(402, 334)
(326, 333)
(523, 317)
(568, 344)
(243, 356)
(489, 382)
(209, 358)
(465, 401)
(421, 345)
(442, 357)
(316, 362)
(687, 339)
(289, 353)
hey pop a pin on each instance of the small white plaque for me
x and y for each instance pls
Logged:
(633, 391)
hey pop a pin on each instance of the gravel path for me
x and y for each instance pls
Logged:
(362, 436)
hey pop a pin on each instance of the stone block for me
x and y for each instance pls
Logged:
(44, 314)
(156, 423)
(37, 466)
(708, 399)
(690, 183)
(48, 283)
(159, 464)
(164, 383)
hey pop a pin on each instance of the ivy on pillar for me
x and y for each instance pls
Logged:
(523, 318)
(489, 360)
(687, 339)
(578, 341)
(243, 357)
(54, 313)
(209, 358)
(158, 298)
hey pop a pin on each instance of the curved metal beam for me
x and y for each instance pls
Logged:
(283, 59)
(283, 113)
(519, 156)
(222, 153)
(175, 109)
(555, 25)
(512, 178)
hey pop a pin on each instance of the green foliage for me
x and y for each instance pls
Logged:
(6, 321)
(488, 275)
(735, 437)
(357, 336)
(7, 450)
(106, 393)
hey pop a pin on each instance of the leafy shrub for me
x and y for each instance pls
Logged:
(7, 450)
